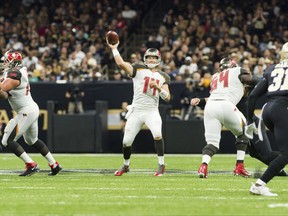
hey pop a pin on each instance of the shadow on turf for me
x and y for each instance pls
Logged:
(111, 171)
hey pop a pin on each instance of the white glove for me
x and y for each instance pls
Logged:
(250, 130)
(260, 127)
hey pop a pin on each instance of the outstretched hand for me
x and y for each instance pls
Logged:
(111, 45)
(195, 101)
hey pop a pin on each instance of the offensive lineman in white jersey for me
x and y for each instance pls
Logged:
(16, 84)
(226, 90)
(148, 84)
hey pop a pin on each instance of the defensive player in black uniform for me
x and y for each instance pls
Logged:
(275, 117)
(259, 149)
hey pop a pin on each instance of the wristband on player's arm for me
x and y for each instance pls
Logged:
(115, 52)
(163, 94)
(202, 102)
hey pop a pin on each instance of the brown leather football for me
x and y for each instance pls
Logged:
(112, 37)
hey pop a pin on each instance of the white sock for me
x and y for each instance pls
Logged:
(25, 157)
(260, 182)
(161, 160)
(127, 162)
(206, 159)
(240, 155)
(50, 158)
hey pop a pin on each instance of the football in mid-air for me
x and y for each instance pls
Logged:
(112, 37)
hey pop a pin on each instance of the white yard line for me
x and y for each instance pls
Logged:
(117, 154)
(278, 205)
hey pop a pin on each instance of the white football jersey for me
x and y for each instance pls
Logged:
(20, 98)
(226, 85)
(144, 96)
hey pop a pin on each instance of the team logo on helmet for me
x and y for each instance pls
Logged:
(11, 59)
(227, 63)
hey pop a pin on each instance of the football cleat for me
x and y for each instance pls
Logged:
(160, 171)
(122, 170)
(31, 168)
(261, 190)
(203, 171)
(241, 171)
(55, 169)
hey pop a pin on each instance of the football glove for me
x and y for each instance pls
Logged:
(250, 130)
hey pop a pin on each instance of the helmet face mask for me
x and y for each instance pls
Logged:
(152, 52)
(226, 63)
(11, 59)
(284, 52)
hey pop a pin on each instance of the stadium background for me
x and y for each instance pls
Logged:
(40, 28)
(181, 136)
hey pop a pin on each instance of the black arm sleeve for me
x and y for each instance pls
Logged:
(202, 102)
(251, 81)
(254, 80)
(259, 90)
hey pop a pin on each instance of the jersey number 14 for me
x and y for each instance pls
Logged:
(146, 84)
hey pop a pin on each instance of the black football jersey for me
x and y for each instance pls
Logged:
(277, 79)
(274, 84)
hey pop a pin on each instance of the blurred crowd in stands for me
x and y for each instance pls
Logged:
(195, 36)
(61, 39)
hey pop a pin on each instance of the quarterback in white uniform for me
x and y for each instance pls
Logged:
(15, 82)
(149, 83)
(226, 90)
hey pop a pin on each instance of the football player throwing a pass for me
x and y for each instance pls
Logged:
(25, 122)
(149, 84)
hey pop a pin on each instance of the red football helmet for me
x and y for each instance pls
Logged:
(11, 59)
(227, 63)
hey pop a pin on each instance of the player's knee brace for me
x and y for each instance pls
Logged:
(210, 150)
(242, 142)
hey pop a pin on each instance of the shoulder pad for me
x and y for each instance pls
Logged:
(136, 67)
(139, 66)
(166, 77)
(244, 71)
(14, 74)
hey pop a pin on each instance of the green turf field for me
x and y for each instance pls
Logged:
(87, 186)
